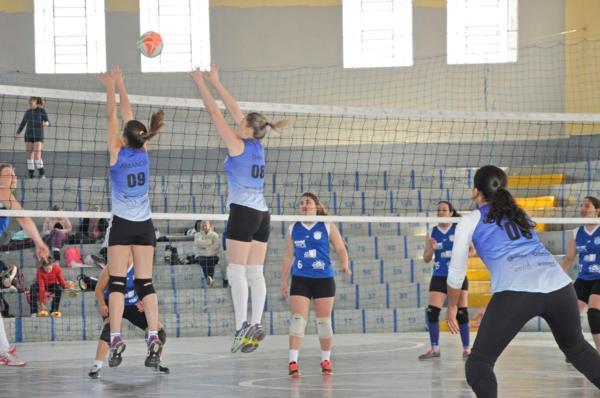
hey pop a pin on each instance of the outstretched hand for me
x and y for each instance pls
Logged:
(198, 76)
(213, 75)
(117, 74)
(106, 79)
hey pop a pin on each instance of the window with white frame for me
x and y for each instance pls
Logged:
(69, 36)
(184, 27)
(377, 33)
(482, 31)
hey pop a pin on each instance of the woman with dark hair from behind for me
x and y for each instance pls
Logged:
(35, 119)
(585, 242)
(438, 246)
(526, 282)
(131, 231)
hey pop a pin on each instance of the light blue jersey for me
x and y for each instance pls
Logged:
(443, 249)
(130, 177)
(516, 261)
(131, 297)
(311, 250)
(588, 247)
(246, 176)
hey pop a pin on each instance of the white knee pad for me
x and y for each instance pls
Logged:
(236, 273)
(324, 328)
(298, 325)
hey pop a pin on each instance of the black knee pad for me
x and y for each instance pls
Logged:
(433, 314)
(462, 315)
(594, 320)
(105, 335)
(116, 284)
(143, 287)
(162, 336)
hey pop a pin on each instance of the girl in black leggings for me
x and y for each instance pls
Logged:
(526, 282)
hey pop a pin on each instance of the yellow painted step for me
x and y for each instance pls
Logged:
(479, 300)
(478, 275)
(537, 202)
(480, 287)
(539, 180)
(475, 263)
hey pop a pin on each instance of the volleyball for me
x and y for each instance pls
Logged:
(150, 44)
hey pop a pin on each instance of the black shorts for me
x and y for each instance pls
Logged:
(34, 138)
(585, 289)
(134, 316)
(438, 284)
(246, 224)
(124, 232)
(312, 288)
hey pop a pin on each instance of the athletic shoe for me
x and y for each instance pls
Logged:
(55, 314)
(117, 346)
(154, 351)
(163, 369)
(326, 367)
(239, 338)
(43, 314)
(254, 336)
(293, 369)
(429, 355)
(9, 359)
(12, 350)
(94, 372)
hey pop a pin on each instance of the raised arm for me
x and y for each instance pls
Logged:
(338, 244)
(288, 257)
(234, 144)
(571, 254)
(230, 102)
(125, 105)
(114, 139)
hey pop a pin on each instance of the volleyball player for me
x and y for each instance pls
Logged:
(438, 246)
(131, 230)
(134, 313)
(8, 183)
(35, 119)
(249, 220)
(307, 254)
(526, 282)
(586, 243)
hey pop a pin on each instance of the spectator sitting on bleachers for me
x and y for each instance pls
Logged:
(92, 229)
(48, 278)
(193, 231)
(55, 232)
(7, 276)
(207, 250)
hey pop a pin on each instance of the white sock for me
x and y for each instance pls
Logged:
(30, 164)
(98, 364)
(239, 293)
(4, 346)
(258, 289)
(113, 335)
(294, 355)
(39, 164)
(325, 355)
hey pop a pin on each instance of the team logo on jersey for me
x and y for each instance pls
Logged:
(446, 254)
(318, 265)
(594, 269)
(317, 235)
(597, 240)
(590, 258)
(581, 249)
(301, 244)
(312, 253)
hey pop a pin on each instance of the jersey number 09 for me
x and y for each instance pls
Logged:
(136, 179)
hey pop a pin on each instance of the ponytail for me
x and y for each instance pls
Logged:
(137, 134)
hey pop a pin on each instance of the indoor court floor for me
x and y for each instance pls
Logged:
(366, 365)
